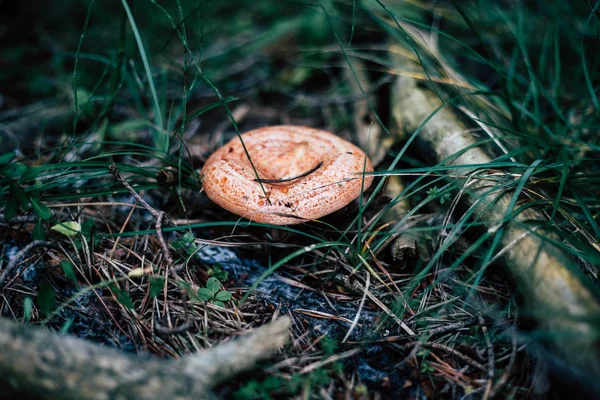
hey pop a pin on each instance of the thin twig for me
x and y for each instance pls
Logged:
(19, 219)
(160, 219)
(161, 216)
(443, 347)
(115, 172)
(329, 360)
(187, 324)
(450, 327)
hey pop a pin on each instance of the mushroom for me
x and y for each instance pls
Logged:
(303, 174)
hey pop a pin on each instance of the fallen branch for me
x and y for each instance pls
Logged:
(563, 303)
(46, 365)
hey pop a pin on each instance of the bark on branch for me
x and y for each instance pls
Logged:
(44, 365)
(563, 302)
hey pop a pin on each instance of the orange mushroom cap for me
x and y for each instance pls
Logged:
(306, 173)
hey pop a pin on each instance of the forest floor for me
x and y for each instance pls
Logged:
(382, 304)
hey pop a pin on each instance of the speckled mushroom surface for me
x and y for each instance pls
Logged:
(279, 153)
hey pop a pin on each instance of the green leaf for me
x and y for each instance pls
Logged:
(156, 287)
(31, 174)
(19, 195)
(219, 303)
(87, 225)
(68, 270)
(223, 295)
(329, 346)
(40, 209)
(192, 249)
(296, 382)
(46, 298)
(187, 239)
(38, 230)
(248, 391)
(213, 285)
(217, 272)
(14, 171)
(320, 377)
(37, 186)
(297, 76)
(122, 297)
(69, 228)
(83, 96)
(205, 294)
(27, 308)
(11, 207)
(272, 383)
(5, 158)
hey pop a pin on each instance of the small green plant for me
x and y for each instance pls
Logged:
(319, 377)
(213, 293)
(259, 390)
(218, 272)
(329, 345)
(46, 298)
(265, 389)
(426, 368)
(185, 242)
(435, 192)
